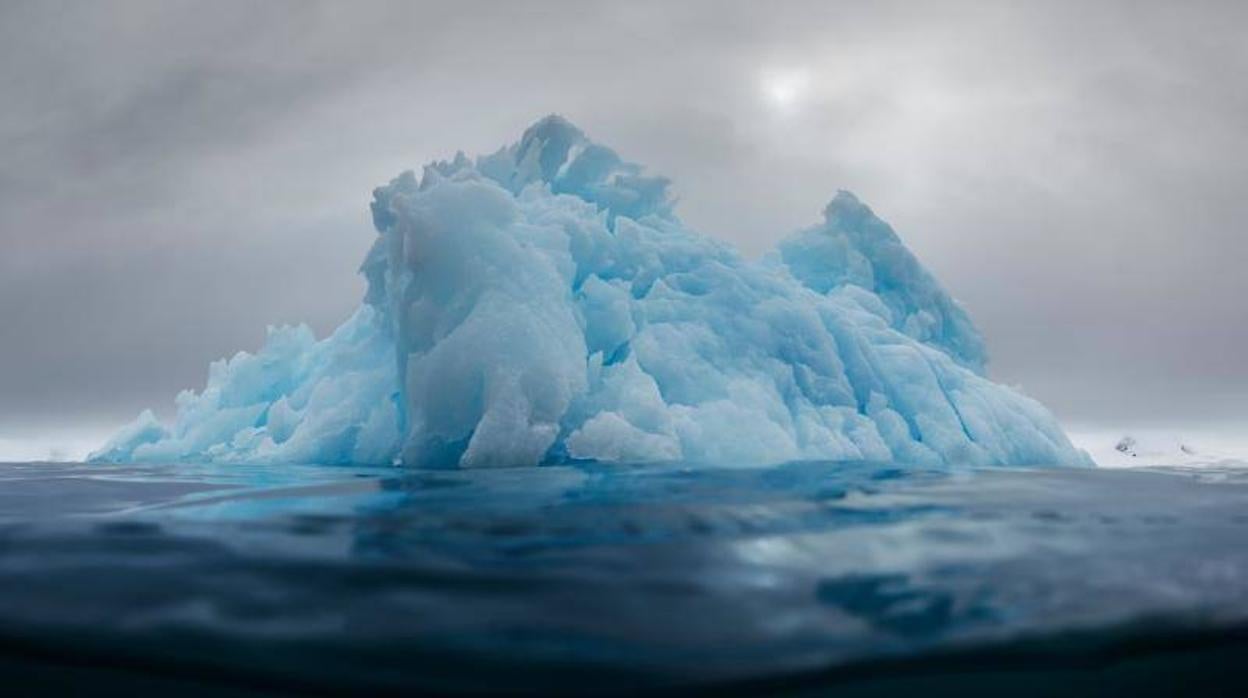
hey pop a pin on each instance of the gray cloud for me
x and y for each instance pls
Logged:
(175, 176)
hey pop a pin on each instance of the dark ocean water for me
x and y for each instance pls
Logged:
(809, 579)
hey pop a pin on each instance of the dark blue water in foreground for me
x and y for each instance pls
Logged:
(809, 578)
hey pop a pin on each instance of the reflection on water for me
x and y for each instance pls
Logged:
(639, 576)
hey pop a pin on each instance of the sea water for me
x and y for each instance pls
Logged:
(611, 579)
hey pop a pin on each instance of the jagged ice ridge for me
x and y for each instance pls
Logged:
(544, 304)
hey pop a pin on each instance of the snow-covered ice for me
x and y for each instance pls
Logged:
(1189, 446)
(544, 303)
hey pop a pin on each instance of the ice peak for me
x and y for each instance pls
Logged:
(549, 142)
(555, 152)
(845, 206)
(854, 247)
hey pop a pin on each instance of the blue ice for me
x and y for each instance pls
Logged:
(544, 304)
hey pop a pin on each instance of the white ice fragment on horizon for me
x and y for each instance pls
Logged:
(544, 303)
(1192, 446)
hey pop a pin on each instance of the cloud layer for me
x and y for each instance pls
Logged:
(175, 176)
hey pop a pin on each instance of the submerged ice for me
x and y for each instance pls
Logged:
(544, 304)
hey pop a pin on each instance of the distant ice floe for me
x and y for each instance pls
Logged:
(1161, 447)
(544, 304)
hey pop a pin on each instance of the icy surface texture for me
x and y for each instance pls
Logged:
(543, 303)
(854, 247)
(297, 400)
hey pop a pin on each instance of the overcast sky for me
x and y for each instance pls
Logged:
(176, 176)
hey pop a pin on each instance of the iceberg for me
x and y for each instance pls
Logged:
(545, 304)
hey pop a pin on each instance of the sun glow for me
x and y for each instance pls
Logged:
(785, 89)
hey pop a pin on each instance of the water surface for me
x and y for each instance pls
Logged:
(602, 579)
